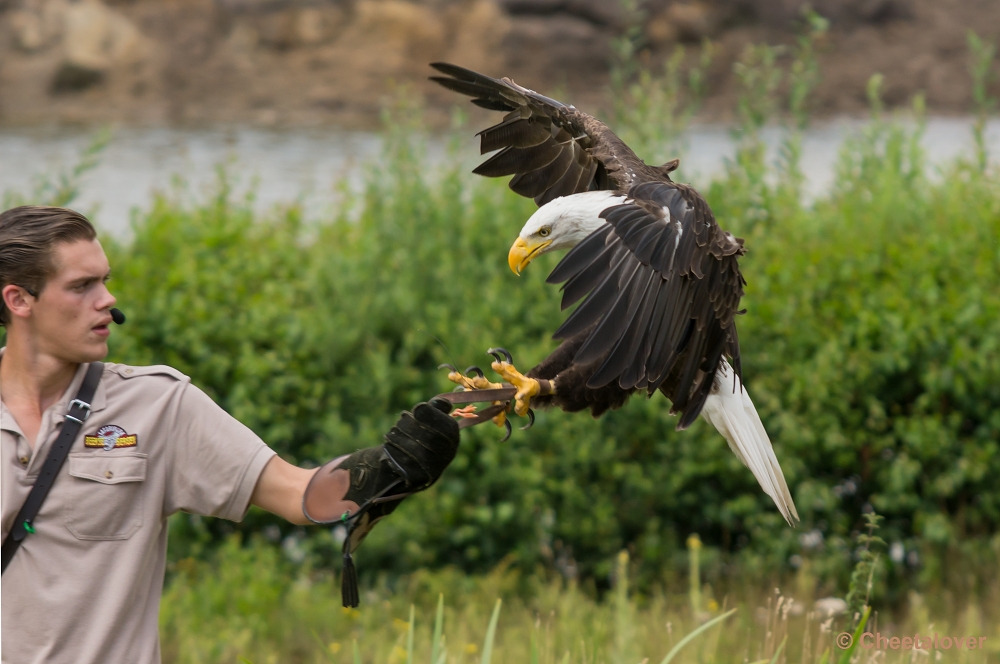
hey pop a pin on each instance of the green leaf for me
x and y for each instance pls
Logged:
(777, 653)
(409, 638)
(436, 648)
(690, 637)
(845, 657)
(322, 646)
(490, 634)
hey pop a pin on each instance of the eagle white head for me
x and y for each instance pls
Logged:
(562, 223)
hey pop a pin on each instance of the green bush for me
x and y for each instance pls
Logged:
(870, 349)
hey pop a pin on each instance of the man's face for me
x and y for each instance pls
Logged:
(70, 317)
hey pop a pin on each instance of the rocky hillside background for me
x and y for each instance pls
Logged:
(315, 62)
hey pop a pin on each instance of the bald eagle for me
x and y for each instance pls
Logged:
(657, 280)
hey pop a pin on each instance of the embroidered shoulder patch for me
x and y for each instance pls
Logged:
(111, 436)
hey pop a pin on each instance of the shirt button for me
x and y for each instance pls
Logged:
(24, 460)
(109, 474)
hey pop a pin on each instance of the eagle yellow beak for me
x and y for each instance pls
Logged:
(522, 253)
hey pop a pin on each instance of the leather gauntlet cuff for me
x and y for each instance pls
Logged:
(377, 486)
(374, 477)
(416, 451)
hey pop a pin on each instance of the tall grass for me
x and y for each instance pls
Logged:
(248, 602)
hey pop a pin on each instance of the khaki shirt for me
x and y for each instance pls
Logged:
(85, 587)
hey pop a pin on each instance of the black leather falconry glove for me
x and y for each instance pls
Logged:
(415, 453)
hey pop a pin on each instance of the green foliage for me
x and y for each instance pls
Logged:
(804, 74)
(759, 76)
(651, 108)
(983, 53)
(863, 577)
(64, 187)
(803, 77)
(626, 46)
(655, 108)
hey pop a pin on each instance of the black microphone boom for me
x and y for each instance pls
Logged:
(117, 316)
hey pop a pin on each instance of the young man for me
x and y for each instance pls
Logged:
(85, 584)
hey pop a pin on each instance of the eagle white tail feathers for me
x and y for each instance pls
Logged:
(730, 410)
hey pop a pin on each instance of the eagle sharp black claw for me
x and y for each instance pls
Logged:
(496, 352)
(448, 366)
(510, 429)
(477, 370)
(531, 420)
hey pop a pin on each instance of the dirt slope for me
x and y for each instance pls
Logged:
(315, 62)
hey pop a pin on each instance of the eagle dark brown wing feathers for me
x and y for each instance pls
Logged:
(662, 286)
(550, 148)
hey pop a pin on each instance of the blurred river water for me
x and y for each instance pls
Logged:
(314, 166)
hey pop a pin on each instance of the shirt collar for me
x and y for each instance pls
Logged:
(59, 408)
(7, 422)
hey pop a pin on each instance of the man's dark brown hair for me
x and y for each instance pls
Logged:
(28, 235)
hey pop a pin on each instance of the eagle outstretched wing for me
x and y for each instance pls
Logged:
(662, 285)
(552, 149)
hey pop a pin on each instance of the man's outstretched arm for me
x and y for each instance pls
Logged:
(418, 452)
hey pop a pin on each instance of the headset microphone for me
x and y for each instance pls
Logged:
(117, 316)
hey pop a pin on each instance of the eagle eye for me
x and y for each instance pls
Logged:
(544, 231)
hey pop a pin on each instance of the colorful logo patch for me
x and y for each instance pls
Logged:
(111, 436)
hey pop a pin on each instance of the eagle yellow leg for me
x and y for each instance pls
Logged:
(526, 387)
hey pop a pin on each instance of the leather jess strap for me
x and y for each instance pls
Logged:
(79, 411)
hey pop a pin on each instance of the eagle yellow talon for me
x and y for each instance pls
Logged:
(526, 387)
(472, 382)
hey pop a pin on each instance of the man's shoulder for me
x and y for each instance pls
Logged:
(151, 372)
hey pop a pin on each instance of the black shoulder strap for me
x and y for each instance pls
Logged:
(79, 410)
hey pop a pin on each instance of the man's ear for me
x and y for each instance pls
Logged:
(16, 299)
